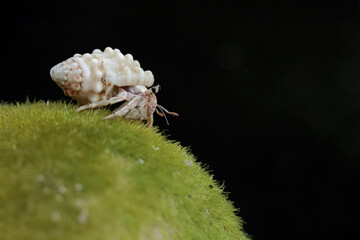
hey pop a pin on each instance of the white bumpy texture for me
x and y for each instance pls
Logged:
(91, 74)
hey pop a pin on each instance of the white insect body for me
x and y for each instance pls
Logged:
(109, 77)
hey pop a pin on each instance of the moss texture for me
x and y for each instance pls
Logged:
(67, 175)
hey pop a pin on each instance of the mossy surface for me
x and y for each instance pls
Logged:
(68, 175)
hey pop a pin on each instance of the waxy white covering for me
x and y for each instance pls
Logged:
(87, 75)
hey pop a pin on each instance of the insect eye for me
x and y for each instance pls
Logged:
(156, 88)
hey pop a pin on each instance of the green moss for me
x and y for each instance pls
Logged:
(67, 175)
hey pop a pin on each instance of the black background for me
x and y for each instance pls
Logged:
(268, 93)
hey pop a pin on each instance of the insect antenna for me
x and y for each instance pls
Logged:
(168, 112)
(163, 113)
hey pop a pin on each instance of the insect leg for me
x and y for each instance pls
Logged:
(150, 121)
(118, 98)
(109, 91)
(125, 108)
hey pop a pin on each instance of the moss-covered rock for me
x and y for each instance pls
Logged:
(67, 175)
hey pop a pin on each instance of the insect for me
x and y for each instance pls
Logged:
(103, 78)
